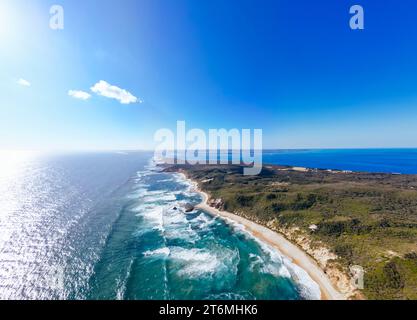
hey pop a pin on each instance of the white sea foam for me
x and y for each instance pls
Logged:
(230, 296)
(153, 215)
(156, 207)
(196, 263)
(255, 261)
(137, 193)
(204, 221)
(161, 251)
(308, 287)
(282, 266)
(121, 283)
(182, 180)
(142, 174)
(158, 196)
(154, 192)
(145, 196)
(184, 232)
(272, 264)
(166, 197)
(154, 165)
(175, 218)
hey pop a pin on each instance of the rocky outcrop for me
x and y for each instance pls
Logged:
(189, 208)
(216, 203)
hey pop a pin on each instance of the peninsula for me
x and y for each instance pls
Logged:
(328, 222)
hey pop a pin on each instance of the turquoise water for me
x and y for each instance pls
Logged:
(111, 226)
(103, 226)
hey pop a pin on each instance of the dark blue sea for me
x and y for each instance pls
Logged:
(402, 161)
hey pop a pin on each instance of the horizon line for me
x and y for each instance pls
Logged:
(221, 150)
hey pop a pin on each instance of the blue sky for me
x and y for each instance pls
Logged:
(292, 68)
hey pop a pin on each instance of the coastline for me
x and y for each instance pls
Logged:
(280, 243)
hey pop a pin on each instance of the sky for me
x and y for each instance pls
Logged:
(121, 70)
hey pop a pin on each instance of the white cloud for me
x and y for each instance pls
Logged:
(77, 94)
(105, 89)
(23, 82)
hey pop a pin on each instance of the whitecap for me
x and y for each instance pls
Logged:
(175, 218)
(309, 289)
(158, 196)
(161, 251)
(185, 233)
(283, 267)
(152, 215)
(122, 283)
(196, 263)
(204, 221)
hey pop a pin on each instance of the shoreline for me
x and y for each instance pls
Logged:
(290, 250)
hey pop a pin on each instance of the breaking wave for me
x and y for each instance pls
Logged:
(198, 247)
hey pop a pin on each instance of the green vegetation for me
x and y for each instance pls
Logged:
(366, 219)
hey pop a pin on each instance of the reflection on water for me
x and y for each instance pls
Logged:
(111, 226)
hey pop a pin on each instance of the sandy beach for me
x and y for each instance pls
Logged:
(279, 242)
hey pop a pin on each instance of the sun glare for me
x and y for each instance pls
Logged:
(7, 22)
(11, 161)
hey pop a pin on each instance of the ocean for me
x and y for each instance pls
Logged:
(111, 225)
(402, 161)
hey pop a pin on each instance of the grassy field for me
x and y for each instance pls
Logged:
(366, 219)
